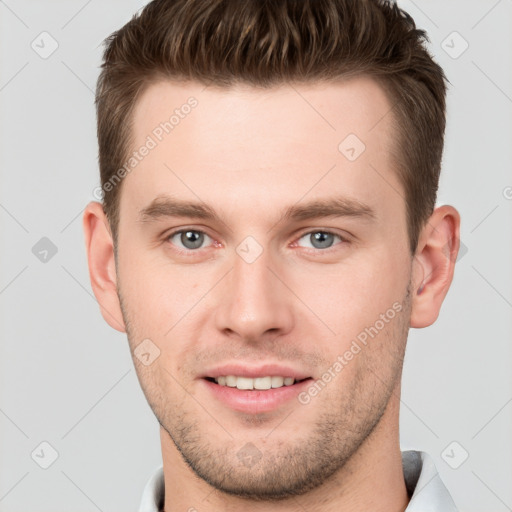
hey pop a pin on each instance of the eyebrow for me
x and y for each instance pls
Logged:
(166, 206)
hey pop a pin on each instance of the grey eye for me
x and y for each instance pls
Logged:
(189, 239)
(320, 239)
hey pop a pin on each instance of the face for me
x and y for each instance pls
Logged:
(257, 240)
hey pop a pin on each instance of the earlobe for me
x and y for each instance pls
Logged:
(102, 270)
(434, 265)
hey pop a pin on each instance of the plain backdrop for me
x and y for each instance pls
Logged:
(67, 379)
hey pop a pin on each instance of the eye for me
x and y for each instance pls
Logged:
(189, 239)
(320, 239)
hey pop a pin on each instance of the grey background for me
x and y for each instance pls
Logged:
(67, 378)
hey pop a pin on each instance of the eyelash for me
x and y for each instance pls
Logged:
(327, 250)
(192, 252)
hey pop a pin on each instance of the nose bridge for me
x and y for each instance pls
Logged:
(253, 302)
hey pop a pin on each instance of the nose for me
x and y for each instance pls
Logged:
(253, 303)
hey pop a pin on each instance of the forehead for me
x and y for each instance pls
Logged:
(267, 145)
(303, 112)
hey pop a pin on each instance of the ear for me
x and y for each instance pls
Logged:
(434, 265)
(102, 270)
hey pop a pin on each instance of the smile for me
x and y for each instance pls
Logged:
(258, 383)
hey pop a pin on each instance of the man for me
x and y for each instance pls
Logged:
(266, 240)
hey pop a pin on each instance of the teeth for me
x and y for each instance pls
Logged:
(231, 381)
(277, 382)
(258, 383)
(244, 383)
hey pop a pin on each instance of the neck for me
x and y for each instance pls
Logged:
(372, 479)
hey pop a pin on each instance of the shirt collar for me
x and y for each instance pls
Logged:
(426, 490)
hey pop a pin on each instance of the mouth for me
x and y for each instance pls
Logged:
(255, 395)
(255, 384)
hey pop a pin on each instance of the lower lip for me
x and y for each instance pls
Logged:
(256, 401)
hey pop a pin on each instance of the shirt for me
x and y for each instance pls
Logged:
(426, 491)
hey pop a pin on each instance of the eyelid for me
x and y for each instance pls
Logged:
(168, 235)
(344, 239)
(330, 231)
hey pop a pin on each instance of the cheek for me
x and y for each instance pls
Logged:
(364, 306)
(156, 293)
(349, 297)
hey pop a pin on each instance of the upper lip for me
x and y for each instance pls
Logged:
(265, 370)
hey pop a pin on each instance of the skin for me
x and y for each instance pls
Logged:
(250, 154)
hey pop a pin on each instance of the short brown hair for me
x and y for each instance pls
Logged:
(270, 42)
